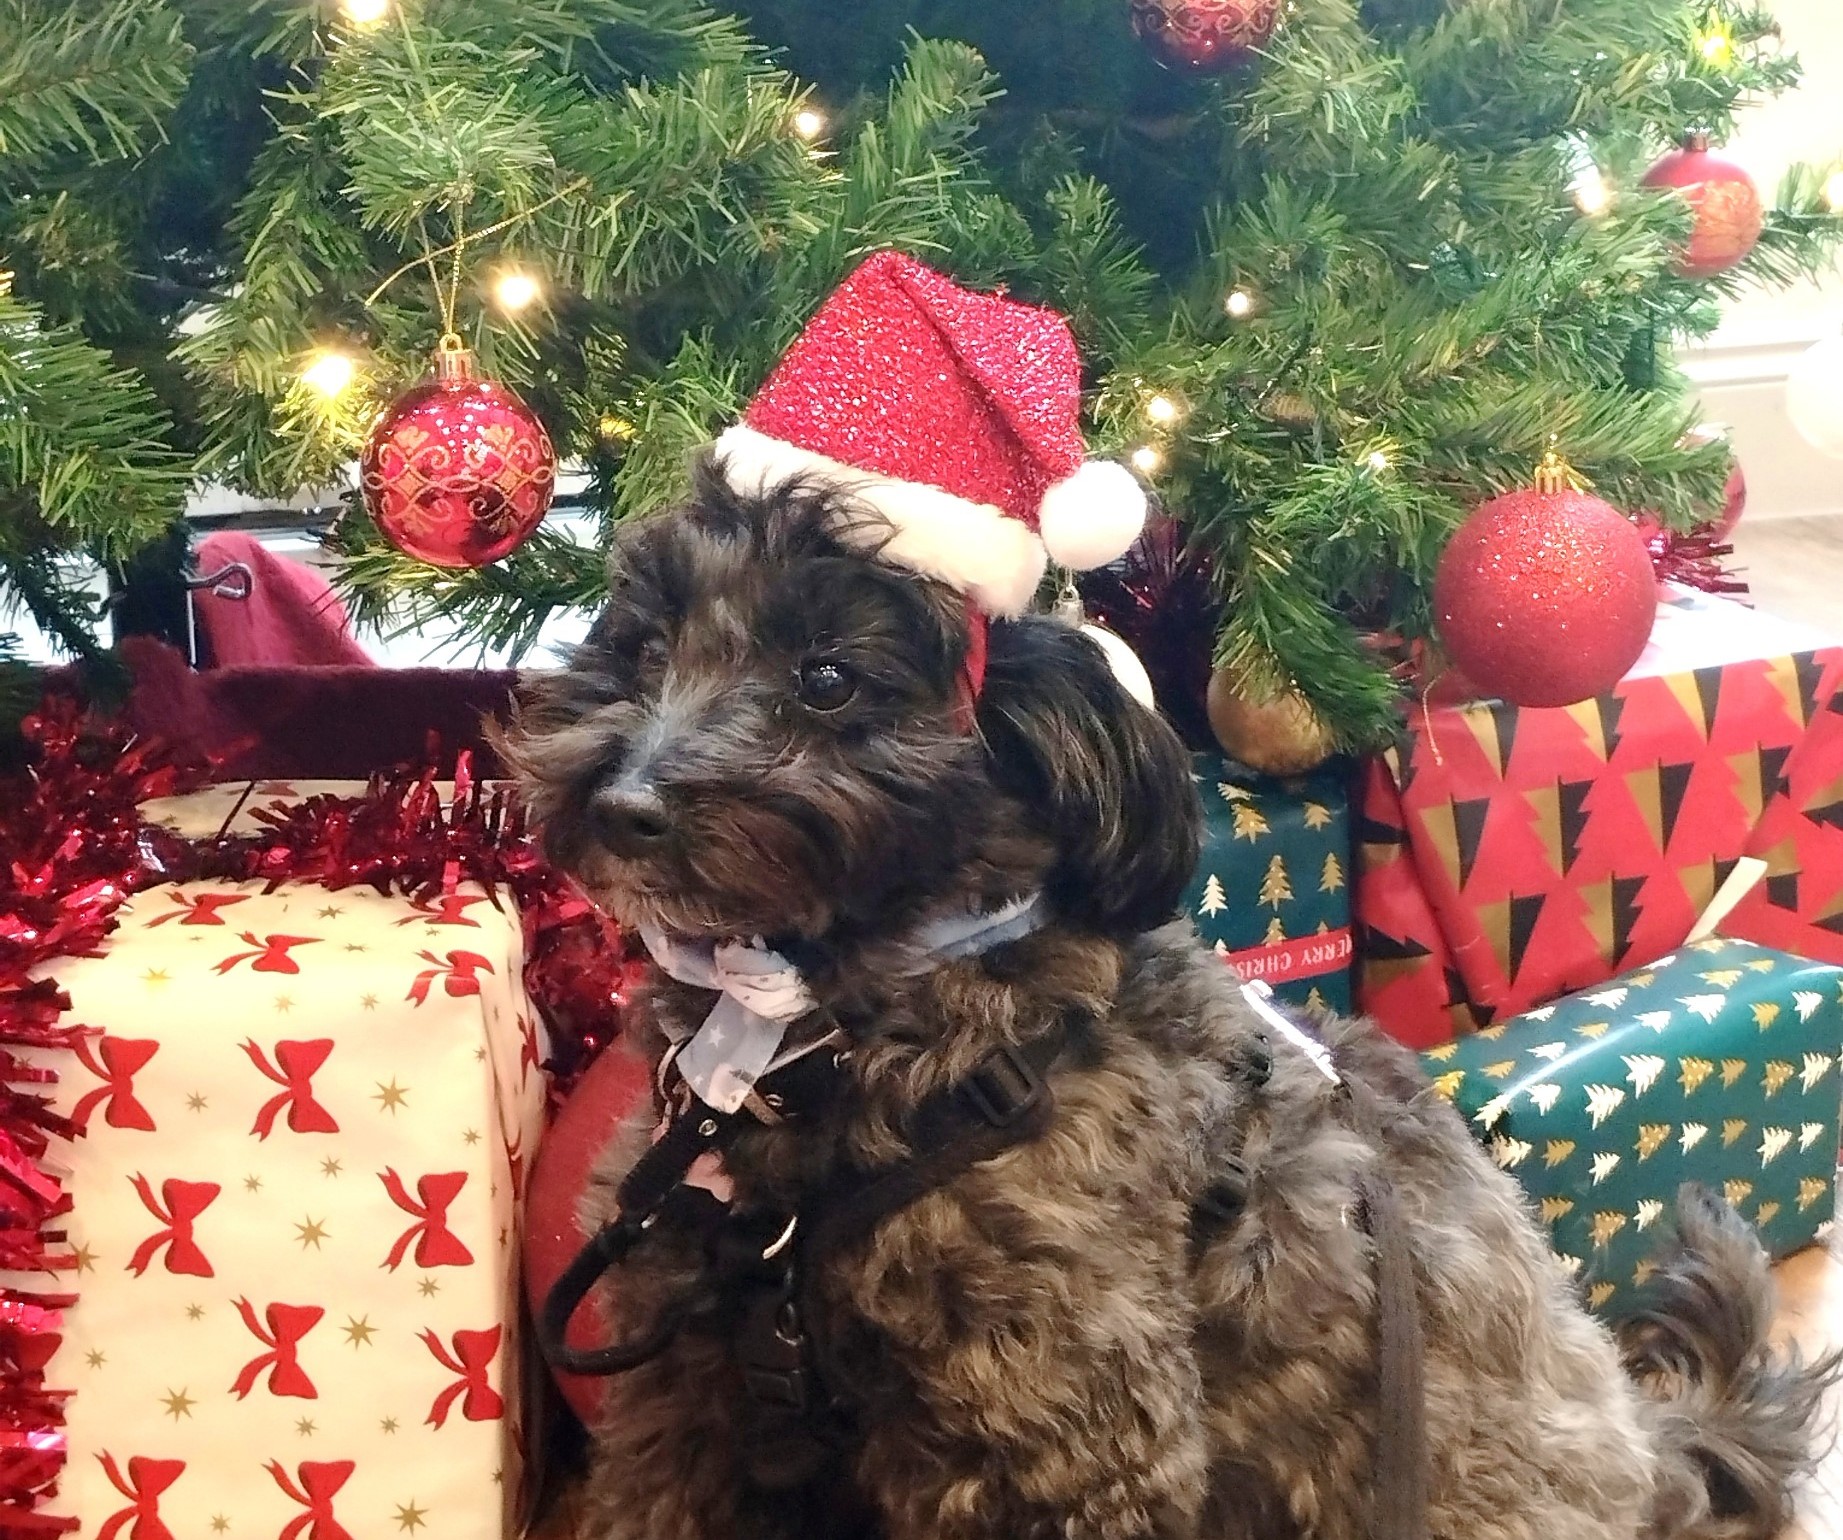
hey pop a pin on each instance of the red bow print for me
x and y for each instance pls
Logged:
(320, 1481)
(528, 1056)
(202, 910)
(448, 909)
(271, 953)
(145, 1481)
(436, 1244)
(294, 1069)
(184, 1202)
(460, 974)
(288, 1324)
(116, 1061)
(473, 1355)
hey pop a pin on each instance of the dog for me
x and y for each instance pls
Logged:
(766, 734)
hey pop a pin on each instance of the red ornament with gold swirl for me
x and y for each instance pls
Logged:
(1203, 37)
(458, 471)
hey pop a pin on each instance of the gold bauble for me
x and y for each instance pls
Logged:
(1282, 736)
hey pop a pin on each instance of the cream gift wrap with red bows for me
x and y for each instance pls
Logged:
(308, 1115)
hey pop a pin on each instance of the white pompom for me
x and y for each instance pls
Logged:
(1091, 517)
(1125, 665)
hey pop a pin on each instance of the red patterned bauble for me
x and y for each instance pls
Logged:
(1729, 214)
(1203, 37)
(1545, 597)
(458, 471)
(1720, 526)
(612, 1087)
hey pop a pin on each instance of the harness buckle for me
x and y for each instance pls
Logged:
(1004, 1087)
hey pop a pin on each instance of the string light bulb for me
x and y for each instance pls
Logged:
(1716, 44)
(1146, 459)
(365, 13)
(809, 123)
(329, 373)
(1593, 194)
(1379, 460)
(515, 289)
(1163, 410)
(1833, 192)
(1239, 304)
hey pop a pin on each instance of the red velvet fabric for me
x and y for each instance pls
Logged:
(290, 615)
(313, 723)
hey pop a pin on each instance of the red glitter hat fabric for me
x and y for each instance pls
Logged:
(956, 416)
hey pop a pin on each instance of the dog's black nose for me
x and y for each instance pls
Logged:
(630, 818)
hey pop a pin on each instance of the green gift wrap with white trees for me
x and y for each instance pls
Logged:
(1717, 1065)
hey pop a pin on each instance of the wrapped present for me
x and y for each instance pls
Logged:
(305, 1119)
(1506, 857)
(1717, 1065)
(1271, 891)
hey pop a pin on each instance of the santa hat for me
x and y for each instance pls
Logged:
(955, 416)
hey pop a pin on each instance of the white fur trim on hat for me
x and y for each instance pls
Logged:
(996, 560)
(1092, 516)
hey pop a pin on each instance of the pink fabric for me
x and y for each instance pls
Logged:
(291, 616)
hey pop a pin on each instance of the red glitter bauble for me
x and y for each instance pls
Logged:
(1203, 37)
(613, 1086)
(1545, 597)
(1729, 214)
(458, 472)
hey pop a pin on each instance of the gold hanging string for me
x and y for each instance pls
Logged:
(456, 246)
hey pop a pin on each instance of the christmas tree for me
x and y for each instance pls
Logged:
(1340, 271)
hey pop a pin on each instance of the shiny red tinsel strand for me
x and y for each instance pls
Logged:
(74, 846)
(1694, 559)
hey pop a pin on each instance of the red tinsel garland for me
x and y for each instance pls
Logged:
(1694, 559)
(74, 847)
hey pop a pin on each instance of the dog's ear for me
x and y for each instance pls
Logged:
(1108, 779)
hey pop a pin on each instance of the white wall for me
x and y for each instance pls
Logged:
(1742, 368)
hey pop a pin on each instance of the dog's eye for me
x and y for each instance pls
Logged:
(652, 656)
(826, 685)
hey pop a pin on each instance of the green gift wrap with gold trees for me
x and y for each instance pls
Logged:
(1270, 892)
(1715, 1065)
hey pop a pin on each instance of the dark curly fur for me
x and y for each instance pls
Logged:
(1039, 1348)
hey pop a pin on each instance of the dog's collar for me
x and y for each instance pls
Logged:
(761, 993)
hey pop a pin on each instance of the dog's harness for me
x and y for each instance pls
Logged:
(760, 1267)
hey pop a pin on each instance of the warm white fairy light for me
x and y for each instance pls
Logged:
(809, 124)
(1162, 410)
(1239, 304)
(1593, 194)
(1716, 44)
(514, 289)
(1833, 192)
(1147, 459)
(1379, 460)
(365, 13)
(329, 373)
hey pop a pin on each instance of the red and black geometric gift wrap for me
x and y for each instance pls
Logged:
(1507, 857)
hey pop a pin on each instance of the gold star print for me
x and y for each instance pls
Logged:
(470, 1136)
(178, 1404)
(153, 978)
(219, 1524)
(252, 1184)
(330, 1167)
(499, 1477)
(94, 1358)
(360, 1332)
(480, 1054)
(311, 1233)
(390, 1097)
(284, 1004)
(305, 1427)
(330, 912)
(504, 1236)
(409, 1516)
(85, 1259)
(195, 1312)
(369, 1002)
(356, 946)
(429, 1287)
(196, 1102)
(389, 1424)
